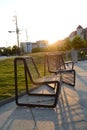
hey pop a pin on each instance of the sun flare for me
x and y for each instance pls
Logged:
(52, 41)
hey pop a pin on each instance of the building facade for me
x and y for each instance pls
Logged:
(80, 31)
(28, 46)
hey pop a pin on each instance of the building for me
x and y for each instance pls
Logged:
(28, 46)
(80, 31)
(42, 43)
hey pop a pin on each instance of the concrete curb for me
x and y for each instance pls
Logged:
(8, 100)
(3, 102)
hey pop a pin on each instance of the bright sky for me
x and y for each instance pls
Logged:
(50, 20)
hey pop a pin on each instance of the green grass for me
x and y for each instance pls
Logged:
(7, 88)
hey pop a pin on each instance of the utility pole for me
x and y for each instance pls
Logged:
(17, 30)
(17, 33)
(26, 34)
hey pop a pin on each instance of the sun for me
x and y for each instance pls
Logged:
(51, 41)
(52, 37)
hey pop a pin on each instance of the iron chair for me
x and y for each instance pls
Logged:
(54, 64)
(31, 72)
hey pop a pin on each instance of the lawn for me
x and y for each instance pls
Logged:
(7, 88)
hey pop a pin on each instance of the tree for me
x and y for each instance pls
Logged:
(67, 44)
(77, 43)
(7, 51)
(0, 52)
(85, 42)
(15, 49)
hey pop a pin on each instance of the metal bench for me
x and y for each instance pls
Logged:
(54, 64)
(31, 72)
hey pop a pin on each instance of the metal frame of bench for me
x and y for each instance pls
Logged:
(28, 63)
(54, 63)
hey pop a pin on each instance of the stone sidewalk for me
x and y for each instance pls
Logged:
(70, 113)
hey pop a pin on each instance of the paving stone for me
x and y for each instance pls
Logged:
(74, 126)
(15, 118)
(69, 114)
(46, 118)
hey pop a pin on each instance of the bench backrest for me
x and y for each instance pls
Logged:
(32, 69)
(54, 62)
